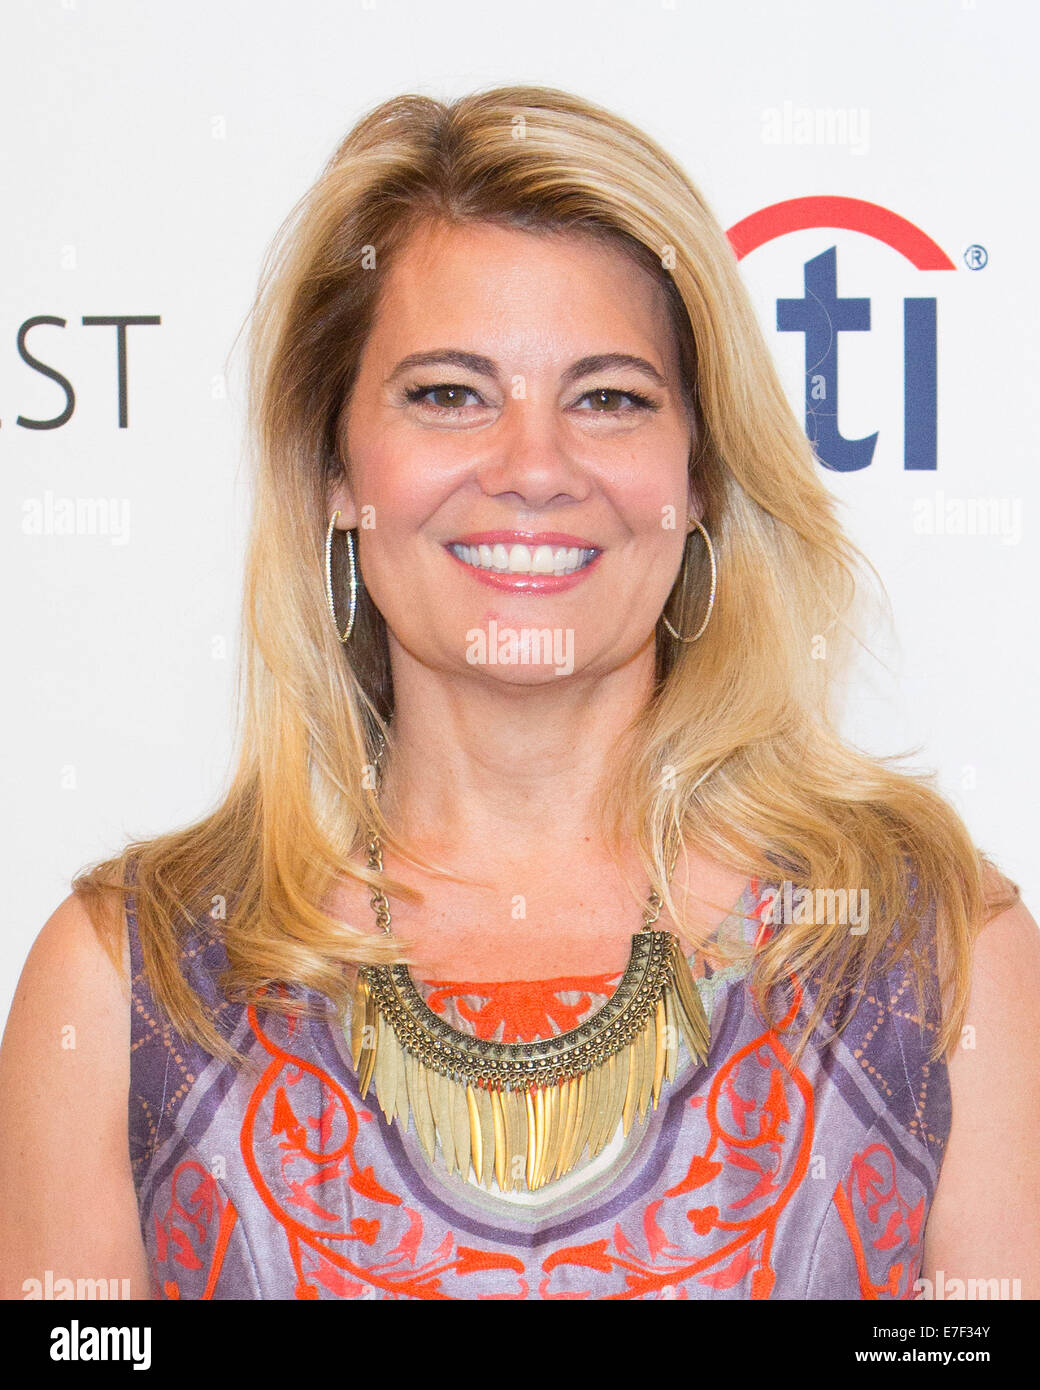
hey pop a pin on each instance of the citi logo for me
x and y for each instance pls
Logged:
(821, 314)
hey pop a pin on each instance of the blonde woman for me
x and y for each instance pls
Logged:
(501, 970)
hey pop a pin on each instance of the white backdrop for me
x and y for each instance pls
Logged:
(149, 153)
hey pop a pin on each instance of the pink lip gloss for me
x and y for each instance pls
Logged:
(525, 583)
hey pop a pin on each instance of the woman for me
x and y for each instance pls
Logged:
(540, 580)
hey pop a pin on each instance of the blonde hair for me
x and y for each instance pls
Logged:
(736, 753)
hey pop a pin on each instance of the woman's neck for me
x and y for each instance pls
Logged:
(476, 765)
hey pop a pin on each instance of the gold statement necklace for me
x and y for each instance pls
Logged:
(524, 1113)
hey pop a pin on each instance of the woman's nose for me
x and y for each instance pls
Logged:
(531, 457)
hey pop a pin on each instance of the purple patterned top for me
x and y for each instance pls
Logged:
(753, 1178)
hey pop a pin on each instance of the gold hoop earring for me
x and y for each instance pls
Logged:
(711, 597)
(328, 580)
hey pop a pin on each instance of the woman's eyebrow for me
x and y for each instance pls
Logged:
(605, 361)
(452, 357)
(484, 366)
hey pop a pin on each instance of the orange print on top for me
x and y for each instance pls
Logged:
(526, 1010)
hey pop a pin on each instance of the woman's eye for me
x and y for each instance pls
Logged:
(602, 397)
(451, 396)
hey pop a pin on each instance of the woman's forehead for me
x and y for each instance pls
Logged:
(530, 286)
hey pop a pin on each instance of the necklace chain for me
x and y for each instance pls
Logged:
(381, 908)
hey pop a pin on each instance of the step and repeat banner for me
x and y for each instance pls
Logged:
(871, 164)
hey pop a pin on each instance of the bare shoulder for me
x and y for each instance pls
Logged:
(1004, 1007)
(74, 973)
(985, 1220)
(66, 1193)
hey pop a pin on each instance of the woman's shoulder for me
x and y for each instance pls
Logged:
(64, 1077)
(1004, 1001)
(69, 1019)
(992, 1166)
(79, 961)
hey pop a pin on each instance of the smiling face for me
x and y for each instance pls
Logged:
(518, 432)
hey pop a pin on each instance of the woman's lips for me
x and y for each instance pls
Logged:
(553, 538)
(525, 562)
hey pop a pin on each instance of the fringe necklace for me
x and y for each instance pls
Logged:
(524, 1113)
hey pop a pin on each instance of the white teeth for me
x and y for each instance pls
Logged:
(525, 559)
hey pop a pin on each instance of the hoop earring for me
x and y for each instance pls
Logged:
(711, 597)
(328, 579)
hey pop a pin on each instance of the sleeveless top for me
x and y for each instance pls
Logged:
(755, 1177)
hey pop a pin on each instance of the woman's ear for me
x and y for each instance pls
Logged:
(341, 494)
(695, 499)
(695, 505)
(341, 499)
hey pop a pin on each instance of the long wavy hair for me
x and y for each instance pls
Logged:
(735, 753)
